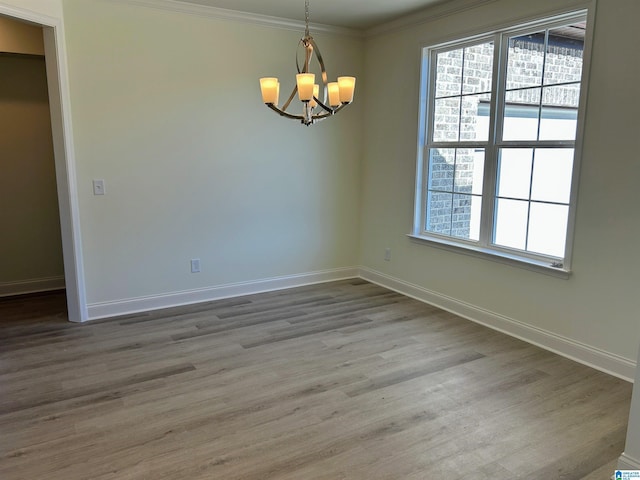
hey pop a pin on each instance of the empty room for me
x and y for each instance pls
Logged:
(319, 239)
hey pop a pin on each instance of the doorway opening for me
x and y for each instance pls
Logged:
(52, 73)
(31, 257)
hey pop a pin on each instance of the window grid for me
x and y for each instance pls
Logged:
(495, 142)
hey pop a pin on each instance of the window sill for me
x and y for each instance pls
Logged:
(493, 255)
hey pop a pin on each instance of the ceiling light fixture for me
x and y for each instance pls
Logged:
(336, 95)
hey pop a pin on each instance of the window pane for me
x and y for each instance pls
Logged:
(469, 170)
(478, 68)
(558, 125)
(514, 172)
(461, 170)
(511, 223)
(521, 99)
(521, 113)
(560, 112)
(474, 118)
(548, 228)
(439, 209)
(447, 120)
(441, 169)
(449, 73)
(567, 96)
(552, 175)
(476, 212)
(564, 54)
(525, 62)
(465, 222)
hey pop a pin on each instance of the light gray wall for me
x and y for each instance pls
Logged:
(597, 305)
(167, 110)
(30, 243)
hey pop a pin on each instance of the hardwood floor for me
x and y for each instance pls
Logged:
(343, 380)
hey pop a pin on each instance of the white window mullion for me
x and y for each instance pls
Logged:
(491, 153)
(422, 170)
(428, 135)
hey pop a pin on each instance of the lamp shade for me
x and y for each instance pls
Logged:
(347, 86)
(270, 88)
(316, 92)
(334, 94)
(305, 82)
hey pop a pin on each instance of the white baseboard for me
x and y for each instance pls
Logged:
(585, 354)
(627, 463)
(187, 297)
(35, 285)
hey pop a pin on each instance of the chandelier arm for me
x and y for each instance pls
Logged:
(308, 45)
(288, 102)
(320, 61)
(320, 116)
(283, 113)
(327, 108)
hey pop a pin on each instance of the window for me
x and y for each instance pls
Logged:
(497, 161)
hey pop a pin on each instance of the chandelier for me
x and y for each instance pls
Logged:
(336, 95)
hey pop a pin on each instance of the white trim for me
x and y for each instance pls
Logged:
(34, 285)
(188, 297)
(593, 357)
(449, 8)
(580, 130)
(239, 16)
(61, 126)
(627, 463)
(429, 14)
(491, 254)
(28, 15)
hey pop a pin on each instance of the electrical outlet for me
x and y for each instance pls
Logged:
(195, 265)
(387, 254)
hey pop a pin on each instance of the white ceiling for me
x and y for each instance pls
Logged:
(342, 13)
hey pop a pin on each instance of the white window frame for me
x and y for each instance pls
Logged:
(484, 248)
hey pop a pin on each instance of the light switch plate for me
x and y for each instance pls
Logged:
(195, 265)
(98, 187)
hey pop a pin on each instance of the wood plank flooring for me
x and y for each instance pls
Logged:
(343, 380)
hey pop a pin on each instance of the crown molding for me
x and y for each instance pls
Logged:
(238, 16)
(429, 14)
(29, 16)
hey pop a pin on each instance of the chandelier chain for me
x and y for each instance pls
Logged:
(306, 17)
